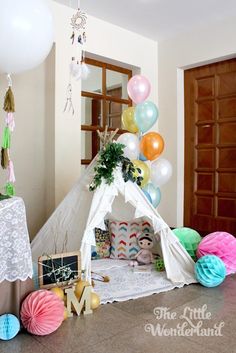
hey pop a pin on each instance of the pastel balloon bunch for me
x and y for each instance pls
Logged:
(144, 148)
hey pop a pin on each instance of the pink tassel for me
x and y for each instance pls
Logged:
(11, 175)
(10, 121)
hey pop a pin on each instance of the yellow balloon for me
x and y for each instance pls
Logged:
(58, 291)
(128, 120)
(95, 301)
(145, 171)
(80, 287)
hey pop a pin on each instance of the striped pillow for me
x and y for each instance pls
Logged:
(124, 243)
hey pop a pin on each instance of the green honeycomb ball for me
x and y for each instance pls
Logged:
(160, 266)
(189, 238)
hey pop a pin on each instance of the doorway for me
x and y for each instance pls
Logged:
(210, 147)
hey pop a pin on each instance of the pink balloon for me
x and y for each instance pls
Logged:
(138, 88)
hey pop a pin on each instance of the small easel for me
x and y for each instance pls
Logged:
(106, 137)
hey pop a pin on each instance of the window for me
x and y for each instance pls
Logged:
(104, 97)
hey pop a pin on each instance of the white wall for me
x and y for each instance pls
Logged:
(199, 47)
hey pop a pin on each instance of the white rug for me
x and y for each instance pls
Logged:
(126, 284)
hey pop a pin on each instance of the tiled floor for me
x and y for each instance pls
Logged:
(131, 327)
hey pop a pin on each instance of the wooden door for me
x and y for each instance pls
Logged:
(210, 147)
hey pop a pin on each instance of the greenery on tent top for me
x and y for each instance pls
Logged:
(110, 157)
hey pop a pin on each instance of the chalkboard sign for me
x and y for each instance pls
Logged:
(59, 269)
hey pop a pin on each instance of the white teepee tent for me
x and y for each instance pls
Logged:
(71, 226)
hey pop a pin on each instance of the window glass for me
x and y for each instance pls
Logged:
(86, 145)
(94, 81)
(114, 113)
(116, 84)
(91, 111)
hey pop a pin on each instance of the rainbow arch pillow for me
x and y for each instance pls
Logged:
(124, 244)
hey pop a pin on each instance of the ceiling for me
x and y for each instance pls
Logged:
(158, 19)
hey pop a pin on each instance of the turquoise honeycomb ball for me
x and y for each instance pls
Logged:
(210, 271)
(9, 326)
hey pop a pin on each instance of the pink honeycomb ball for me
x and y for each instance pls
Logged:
(221, 244)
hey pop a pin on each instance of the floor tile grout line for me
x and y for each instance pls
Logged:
(49, 349)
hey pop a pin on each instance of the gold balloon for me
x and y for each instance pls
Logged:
(95, 301)
(145, 171)
(59, 292)
(128, 120)
(80, 287)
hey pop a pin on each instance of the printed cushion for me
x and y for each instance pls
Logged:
(124, 243)
(103, 244)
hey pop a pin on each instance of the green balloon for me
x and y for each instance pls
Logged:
(189, 238)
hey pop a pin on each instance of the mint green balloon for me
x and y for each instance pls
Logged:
(189, 238)
(145, 115)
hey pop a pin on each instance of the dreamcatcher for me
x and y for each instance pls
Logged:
(78, 68)
(78, 23)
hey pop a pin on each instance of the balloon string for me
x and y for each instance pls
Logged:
(9, 80)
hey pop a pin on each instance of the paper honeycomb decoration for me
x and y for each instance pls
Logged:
(9, 326)
(42, 312)
(189, 238)
(210, 271)
(221, 244)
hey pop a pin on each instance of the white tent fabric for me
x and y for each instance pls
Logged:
(71, 226)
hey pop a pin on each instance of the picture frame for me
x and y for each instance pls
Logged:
(59, 269)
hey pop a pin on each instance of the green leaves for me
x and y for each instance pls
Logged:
(109, 158)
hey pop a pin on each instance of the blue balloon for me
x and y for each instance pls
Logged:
(210, 271)
(145, 115)
(142, 157)
(155, 194)
(147, 196)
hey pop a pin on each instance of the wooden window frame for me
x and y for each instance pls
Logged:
(103, 97)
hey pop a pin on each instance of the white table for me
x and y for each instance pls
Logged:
(15, 255)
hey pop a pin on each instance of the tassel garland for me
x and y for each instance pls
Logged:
(6, 163)
(4, 158)
(11, 175)
(6, 142)
(10, 122)
(10, 189)
(9, 101)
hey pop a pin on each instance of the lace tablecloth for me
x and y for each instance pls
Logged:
(15, 251)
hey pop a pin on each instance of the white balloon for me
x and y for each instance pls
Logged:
(26, 34)
(131, 143)
(161, 171)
